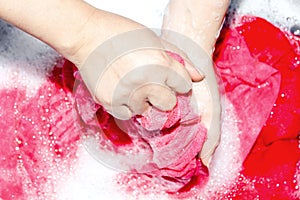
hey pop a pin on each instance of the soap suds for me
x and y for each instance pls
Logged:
(24, 60)
(278, 11)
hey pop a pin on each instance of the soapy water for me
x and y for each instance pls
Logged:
(280, 55)
(98, 168)
(223, 183)
(278, 171)
(131, 133)
(23, 56)
(281, 13)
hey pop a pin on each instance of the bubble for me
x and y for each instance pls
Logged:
(27, 59)
(295, 29)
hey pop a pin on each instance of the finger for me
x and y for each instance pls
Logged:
(138, 101)
(161, 97)
(178, 78)
(121, 112)
(195, 75)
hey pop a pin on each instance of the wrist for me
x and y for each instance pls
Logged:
(99, 27)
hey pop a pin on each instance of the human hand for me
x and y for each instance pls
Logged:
(201, 21)
(77, 36)
(126, 68)
(132, 71)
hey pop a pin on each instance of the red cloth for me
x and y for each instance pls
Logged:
(272, 162)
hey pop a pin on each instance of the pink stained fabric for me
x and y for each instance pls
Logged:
(252, 86)
(38, 141)
(272, 165)
(169, 142)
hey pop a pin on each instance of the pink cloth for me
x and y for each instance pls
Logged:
(168, 142)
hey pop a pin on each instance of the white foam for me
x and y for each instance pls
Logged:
(226, 162)
(91, 180)
(283, 13)
(24, 60)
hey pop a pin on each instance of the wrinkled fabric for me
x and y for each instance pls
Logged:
(38, 141)
(165, 143)
(258, 65)
(252, 86)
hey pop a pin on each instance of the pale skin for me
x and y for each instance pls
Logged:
(74, 29)
(200, 20)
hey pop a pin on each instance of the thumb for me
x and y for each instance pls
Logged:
(162, 97)
(193, 72)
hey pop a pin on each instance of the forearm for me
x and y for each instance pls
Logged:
(72, 27)
(200, 20)
(56, 22)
